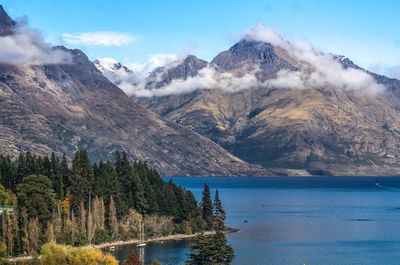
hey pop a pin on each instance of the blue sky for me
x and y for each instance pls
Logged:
(366, 31)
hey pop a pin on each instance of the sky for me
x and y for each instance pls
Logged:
(132, 31)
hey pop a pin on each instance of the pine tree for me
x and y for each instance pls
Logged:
(207, 207)
(219, 213)
(82, 178)
(210, 250)
(222, 253)
(200, 252)
(64, 175)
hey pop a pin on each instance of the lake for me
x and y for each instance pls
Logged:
(300, 220)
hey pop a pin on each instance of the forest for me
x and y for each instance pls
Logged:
(50, 199)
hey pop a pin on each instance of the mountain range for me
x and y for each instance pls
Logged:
(265, 106)
(283, 107)
(60, 102)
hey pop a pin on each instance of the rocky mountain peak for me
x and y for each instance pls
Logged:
(194, 62)
(246, 51)
(6, 23)
(246, 55)
(189, 67)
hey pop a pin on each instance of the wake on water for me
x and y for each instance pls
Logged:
(387, 187)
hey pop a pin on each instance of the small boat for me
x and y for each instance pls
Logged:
(377, 183)
(112, 248)
(141, 245)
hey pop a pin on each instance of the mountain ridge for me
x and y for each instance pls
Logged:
(63, 107)
(322, 128)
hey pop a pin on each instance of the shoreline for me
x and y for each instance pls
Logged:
(149, 240)
(131, 242)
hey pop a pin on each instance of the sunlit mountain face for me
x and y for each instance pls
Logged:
(282, 106)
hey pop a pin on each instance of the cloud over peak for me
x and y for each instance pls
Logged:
(100, 38)
(312, 68)
(318, 69)
(27, 46)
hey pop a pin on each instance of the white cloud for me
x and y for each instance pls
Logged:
(317, 69)
(116, 72)
(133, 74)
(100, 38)
(207, 78)
(153, 61)
(262, 33)
(27, 46)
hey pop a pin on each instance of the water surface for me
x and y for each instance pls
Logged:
(285, 221)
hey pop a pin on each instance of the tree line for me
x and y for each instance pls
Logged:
(47, 199)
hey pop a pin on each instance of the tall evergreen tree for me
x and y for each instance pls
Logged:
(212, 250)
(219, 213)
(81, 178)
(207, 207)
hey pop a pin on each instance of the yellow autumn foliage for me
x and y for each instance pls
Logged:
(55, 254)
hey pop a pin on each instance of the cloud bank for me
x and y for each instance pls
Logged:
(317, 69)
(314, 69)
(116, 72)
(100, 38)
(207, 78)
(26, 46)
(152, 62)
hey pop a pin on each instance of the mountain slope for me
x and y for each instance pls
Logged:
(64, 107)
(325, 129)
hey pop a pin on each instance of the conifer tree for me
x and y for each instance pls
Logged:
(210, 250)
(207, 207)
(64, 175)
(81, 179)
(219, 213)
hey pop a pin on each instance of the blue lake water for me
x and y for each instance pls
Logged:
(289, 221)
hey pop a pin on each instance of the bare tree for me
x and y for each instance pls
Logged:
(49, 233)
(82, 218)
(33, 235)
(113, 219)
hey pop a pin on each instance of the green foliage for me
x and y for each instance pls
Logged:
(219, 213)
(81, 178)
(207, 207)
(101, 236)
(3, 249)
(210, 250)
(36, 195)
(156, 262)
(5, 198)
(48, 189)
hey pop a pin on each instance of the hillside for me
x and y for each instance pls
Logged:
(282, 109)
(59, 101)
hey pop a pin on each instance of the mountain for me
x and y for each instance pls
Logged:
(63, 107)
(6, 23)
(116, 72)
(331, 125)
